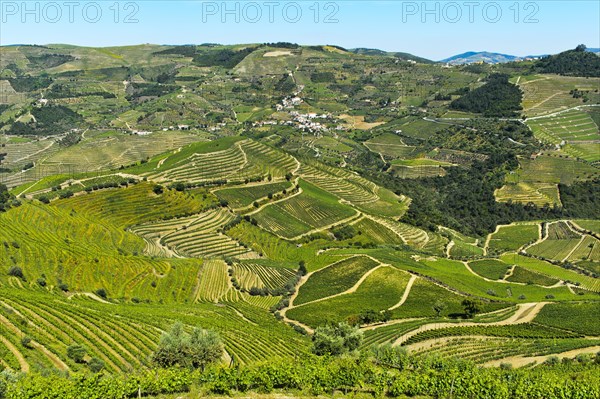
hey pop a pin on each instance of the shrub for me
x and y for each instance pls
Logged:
(76, 352)
(195, 350)
(26, 341)
(16, 271)
(95, 365)
(336, 339)
(101, 292)
(472, 307)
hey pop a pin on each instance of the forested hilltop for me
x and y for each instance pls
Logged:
(277, 219)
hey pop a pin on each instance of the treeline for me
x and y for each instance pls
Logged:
(383, 372)
(497, 98)
(577, 62)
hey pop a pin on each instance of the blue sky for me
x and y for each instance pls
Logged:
(432, 29)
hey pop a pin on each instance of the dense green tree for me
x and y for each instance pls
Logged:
(336, 339)
(472, 307)
(76, 352)
(195, 350)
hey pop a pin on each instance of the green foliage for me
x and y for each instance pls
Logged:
(223, 57)
(334, 279)
(322, 77)
(522, 275)
(391, 373)
(492, 269)
(344, 232)
(16, 271)
(96, 365)
(77, 352)
(577, 62)
(49, 120)
(336, 339)
(472, 307)
(497, 98)
(49, 60)
(581, 317)
(527, 330)
(30, 83)
(195, 350)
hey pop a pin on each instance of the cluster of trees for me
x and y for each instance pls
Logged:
(7, 200)
(322, 77)
(497, 98)
(194, 350)
(225, 58)
(137, 90)
(336, 339)
(577, 62)
(30, 83)
(370, 316)
(50, 120)
(70, 139)
(46, 61)
(62, 91)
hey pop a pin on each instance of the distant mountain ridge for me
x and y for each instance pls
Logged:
(472, 57)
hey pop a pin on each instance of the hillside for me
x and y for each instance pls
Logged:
(278, 195)
(577, 62)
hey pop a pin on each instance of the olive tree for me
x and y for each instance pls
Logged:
(336, 339)
(194, 350)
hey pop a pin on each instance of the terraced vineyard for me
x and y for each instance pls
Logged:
(539, 194)
(513, 237)
(194, 236)
(251, 275)
(380, 290)
(574, 131)
(482, 350)
(363, 194)
(544, 94)
(334, 279)
(242, 197)
(202, 167)
(263, 192)
(311, 209)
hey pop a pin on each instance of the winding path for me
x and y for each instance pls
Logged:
(413, 278)
(525, 313)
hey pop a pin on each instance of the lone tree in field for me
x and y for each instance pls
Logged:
(472, 307)
(336, 339)
(195, 350)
